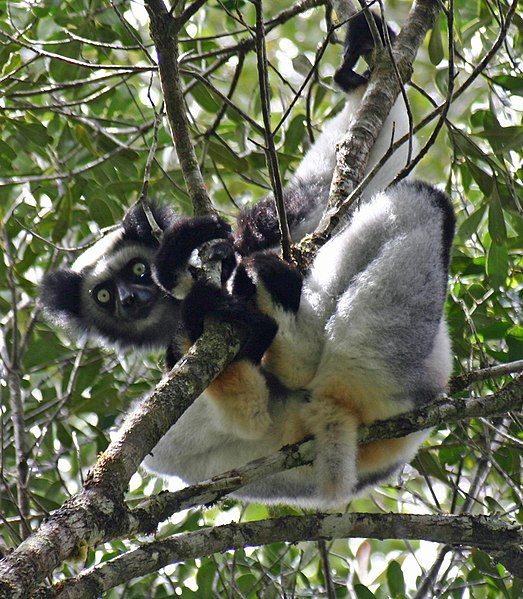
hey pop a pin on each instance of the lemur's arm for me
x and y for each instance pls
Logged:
(240, 391)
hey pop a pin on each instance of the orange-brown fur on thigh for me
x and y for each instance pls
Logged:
(241, 393)
(380, 455)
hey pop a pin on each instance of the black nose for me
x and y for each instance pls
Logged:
(128, 300)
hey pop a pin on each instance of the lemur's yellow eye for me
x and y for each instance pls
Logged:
(103, 296)
(139, 269)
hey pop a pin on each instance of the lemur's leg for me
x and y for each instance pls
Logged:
(306, 194)
(275, 288)
(358, 42)
(240, 391)
(335, 430)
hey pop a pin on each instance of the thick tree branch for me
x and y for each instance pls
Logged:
(446, 411)
(98, 514)
(461, 531)
(99, 507)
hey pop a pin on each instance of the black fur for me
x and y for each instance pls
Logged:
(172, 355)
(444, 204)
(242, 284)
(358, 42)
(282, 281)
(137, 228)
(205, 299)
(181, 239)
(224, 252)
(258, 227)
(60, 292)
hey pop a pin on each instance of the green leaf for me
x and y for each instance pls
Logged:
(226, 157)
(497, 264)
(35, 133)
(425, 462)
(295, 133)
(205, 578)
(395, 579)
(7, 151)
(302, 64)
(64, 218)
(436, 43)
(99, 211)
(471, 224)
(483, 179)
(362, 592)
(85, 137)
(496, 220)
(204, 98)
(510, 82)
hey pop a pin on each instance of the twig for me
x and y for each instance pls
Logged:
(155, 229)
(446, 106)
(458, 383)
(14, 381)
(270, 148)
(324, 556)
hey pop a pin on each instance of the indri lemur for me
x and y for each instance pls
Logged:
(361, 337)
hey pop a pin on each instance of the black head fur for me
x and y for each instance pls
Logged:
(60, 293)
(136, 227)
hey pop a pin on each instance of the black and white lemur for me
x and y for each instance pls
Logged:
(361, 337)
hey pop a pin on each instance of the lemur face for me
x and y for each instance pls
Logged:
(109, 291)
(122, 287)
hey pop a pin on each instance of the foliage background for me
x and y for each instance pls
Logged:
(80, 95)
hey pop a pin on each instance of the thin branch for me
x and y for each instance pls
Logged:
(411, 164)
(458, 383)
(16, 401)
(75, 62)
(188, 13)
(270, 148)
(163, 32)
(324, 557)
(155, 229)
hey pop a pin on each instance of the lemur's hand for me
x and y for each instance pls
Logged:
(178, 244)
(205, 299)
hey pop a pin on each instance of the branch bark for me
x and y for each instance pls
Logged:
(99, 506)
(98, 513)
(483, 532)
(164, 33)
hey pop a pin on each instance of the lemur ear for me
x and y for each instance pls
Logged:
(60, 293)
(136, 224)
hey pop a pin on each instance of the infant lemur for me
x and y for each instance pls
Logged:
(361, 337)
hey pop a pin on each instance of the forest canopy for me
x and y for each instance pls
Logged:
(84, 134)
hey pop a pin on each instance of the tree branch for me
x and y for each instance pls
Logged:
(164, 33)
(383, 89)
(99, 506)
(482, 532)
(270, 148)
